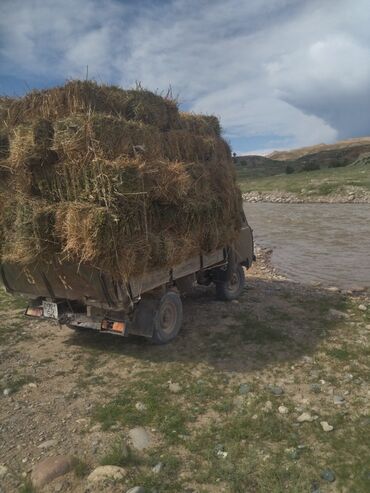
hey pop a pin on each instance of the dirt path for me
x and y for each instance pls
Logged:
(221, 407)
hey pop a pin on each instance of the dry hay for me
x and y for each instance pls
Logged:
(87, 96)
(206, 125)
(115, 179)
(82, 137)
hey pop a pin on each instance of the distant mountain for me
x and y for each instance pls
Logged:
(315, 149)
(321, 156)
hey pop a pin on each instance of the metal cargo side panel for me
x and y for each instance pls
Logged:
(212, 258)
(190, 266)
(66, 281)
(148, 281)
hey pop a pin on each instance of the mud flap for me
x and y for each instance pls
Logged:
(142, 323)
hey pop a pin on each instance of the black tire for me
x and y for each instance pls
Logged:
(232, 288)
(168, 318)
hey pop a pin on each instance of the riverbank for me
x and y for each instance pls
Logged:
(352, 197)
(350, 184)
(266, 394)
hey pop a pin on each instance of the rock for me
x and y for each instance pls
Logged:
(306, 417)
(283, 410)
(103, 473)
(174, 387)
(136, 489)
(328, 475)
(333, 289)
(7, 392)
(32, 385)
(267, 407)
(140, 406)
(325, 426)
(220, 451)
(276, 390)
(338, 399)
(315, 388)
(47, 444)
(157, 468)
(3, 471)
(244, 389)
(336, 314)
(48, 469)
(363, 308)
(140, 438)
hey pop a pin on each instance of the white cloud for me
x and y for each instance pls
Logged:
(294, 71)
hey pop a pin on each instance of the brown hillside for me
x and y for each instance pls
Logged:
(303, 151)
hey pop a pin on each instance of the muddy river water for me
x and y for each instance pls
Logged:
(327, 243)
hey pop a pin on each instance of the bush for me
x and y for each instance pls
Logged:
(311, 167)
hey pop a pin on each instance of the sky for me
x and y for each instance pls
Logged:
(279, 73)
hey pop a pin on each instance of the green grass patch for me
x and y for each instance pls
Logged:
(312, 183)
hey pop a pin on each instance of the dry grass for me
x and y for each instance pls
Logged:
(113, 178)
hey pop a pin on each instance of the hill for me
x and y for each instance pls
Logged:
(315, 149)
(311, 158)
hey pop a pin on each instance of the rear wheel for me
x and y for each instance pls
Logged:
(231, 288)
(168, 318)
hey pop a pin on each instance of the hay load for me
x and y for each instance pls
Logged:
(117, 179)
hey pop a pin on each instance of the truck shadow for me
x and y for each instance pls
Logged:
(274, 321)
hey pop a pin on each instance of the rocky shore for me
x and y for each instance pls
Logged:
(353, 197)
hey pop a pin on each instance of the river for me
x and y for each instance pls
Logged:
(327, 243)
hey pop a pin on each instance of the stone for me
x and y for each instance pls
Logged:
(244, 389)
(48, 469)
(140, 406)
(47, 444)
(276, 390)
(267, 407)
(220, 451)
(157, 468)
(363, 308)
(328, 475)
(283, 410)
(32, 385)
(306, 417)
(315, 388)
(140, 438)
(336, 314)
(338, 399)
(103, 473)
(174, 387)
(325, 426)
(3, 470)
(333, 289)
(7, 392)
(136, 489)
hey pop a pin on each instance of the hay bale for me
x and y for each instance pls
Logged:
(101, 237)
(86, 96)
(206, 125)
(84, 137)
(28, 231)
(114, 179)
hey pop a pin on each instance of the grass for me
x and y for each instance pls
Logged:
(312, 183)
(119, 455)
(27, 487)
(208, 435)
(80, 468)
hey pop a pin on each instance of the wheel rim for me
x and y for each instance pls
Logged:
(233, 283)
(167, 317)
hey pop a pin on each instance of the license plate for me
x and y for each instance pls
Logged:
(50, 309)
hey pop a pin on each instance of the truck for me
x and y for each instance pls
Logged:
(83, 297)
